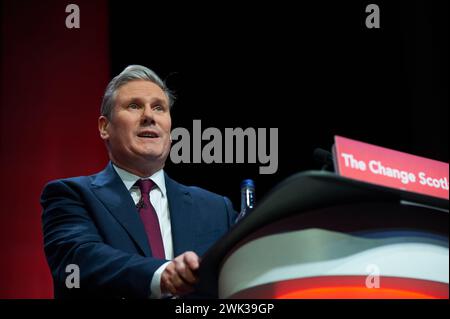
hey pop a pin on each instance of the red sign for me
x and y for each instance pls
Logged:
(382, 166)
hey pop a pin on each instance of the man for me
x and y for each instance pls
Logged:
(131, 230)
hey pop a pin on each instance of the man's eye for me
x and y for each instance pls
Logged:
(158, 108)
(133, 106)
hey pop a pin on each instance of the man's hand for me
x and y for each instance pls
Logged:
(180, 275)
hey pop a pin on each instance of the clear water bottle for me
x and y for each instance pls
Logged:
(247, 198)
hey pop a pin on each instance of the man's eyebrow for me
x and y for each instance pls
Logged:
(139, 100)
(136, 100)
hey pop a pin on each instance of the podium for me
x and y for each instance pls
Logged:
(319, 235)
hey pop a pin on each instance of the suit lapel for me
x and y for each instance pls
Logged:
(181, 216)
(111, 191)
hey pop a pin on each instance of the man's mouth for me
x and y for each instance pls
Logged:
(148, 134)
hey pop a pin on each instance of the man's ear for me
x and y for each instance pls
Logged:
(103, 124)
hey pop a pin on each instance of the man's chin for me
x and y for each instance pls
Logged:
(154, 157)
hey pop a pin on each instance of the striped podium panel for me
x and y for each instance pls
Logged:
(318, 235)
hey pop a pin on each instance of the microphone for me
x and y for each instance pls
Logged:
(325, 158)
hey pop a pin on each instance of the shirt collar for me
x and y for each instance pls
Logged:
(130, 179)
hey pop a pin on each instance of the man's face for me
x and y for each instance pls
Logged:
(138, 132)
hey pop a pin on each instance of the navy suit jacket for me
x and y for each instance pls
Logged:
(92, 222)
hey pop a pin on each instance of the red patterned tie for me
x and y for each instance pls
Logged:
(150, 219)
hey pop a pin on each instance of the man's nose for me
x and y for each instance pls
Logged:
(147, 114)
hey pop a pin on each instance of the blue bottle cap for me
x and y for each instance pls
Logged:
(248, 183)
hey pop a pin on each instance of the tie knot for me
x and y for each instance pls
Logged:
(145, 185)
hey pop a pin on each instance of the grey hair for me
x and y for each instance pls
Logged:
(131, 73)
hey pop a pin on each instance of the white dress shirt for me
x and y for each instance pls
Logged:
(158, 198)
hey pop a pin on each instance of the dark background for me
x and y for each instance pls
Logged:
(312, 70)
